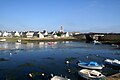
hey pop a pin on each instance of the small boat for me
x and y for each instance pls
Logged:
(96, 42)
(2, 40)
(19, 40)
(90, 74)
(90, 65)
(59, 78)
(114, 62)
(51, 43)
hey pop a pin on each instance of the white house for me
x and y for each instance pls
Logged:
(10, 34)
(17, 34)
(5, 34)
(55, 36)
(40, 35)
(29, 34)
(0, 33)
(66, 34)
(53, 33)
(21, 34)
(46, 33)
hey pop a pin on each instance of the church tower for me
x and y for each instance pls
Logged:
(61, 29)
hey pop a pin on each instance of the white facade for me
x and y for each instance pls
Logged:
(53, 33)
(55, 36)
(46, 33)
(0, 33)
(40, 35)
(67, 34)
(10, 34)
(5, 34)
(17, 34)
(29, 34)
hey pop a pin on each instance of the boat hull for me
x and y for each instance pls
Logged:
(88, 76)
(90, 67)
(59, 78)
(112, 63)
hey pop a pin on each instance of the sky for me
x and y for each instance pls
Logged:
(73, 15)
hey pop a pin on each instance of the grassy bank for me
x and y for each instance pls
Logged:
(3, 49)
(14, 39)
(50, 39)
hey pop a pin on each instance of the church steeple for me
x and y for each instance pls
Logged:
(61, 29)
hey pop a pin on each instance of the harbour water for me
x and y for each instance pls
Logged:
(20, 59)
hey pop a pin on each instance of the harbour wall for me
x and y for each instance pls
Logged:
(99, 36)
(105, 38)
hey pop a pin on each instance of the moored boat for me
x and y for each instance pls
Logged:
(19, 40)
(114, 62)
(59, 78)
(2, 40)
(90, 74)
(90, 65)
(96, 42)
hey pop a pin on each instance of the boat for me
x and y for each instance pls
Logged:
(96, 42)
(51, 43)
(114, 62)
(90, 65)
(91, 74)
(59, 78)
(2, 40)
(19, 40)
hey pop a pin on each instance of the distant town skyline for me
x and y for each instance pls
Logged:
(73, 15)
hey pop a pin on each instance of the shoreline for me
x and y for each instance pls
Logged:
(113, 77)
(4, 49)
(15, 39)
(50, 39)
(40, 39)
(24, 40)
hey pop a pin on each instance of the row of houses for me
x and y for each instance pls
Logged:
(37, 34)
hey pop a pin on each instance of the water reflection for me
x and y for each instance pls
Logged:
(28, 45)
(4, 45)
(17, 45)
(41, 44)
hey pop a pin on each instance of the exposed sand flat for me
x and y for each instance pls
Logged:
(114, 77)
(3, 49)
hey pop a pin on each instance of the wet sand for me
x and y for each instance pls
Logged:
(114, 77)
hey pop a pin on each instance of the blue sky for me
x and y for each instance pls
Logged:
(73, 15)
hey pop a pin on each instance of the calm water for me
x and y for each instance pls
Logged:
(37, 58)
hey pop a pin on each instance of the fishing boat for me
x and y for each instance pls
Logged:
(90, 74)
(114, 62)
(59, 78)
(90, 65)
